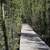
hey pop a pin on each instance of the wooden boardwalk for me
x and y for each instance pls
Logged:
(29, 39)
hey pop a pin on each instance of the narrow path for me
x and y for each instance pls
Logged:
(29, 39)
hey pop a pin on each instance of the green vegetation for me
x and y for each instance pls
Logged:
(15, 12)
(10, 20)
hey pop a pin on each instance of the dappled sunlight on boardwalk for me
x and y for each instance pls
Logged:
(29, 39)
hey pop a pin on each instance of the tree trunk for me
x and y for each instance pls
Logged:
(3, 26)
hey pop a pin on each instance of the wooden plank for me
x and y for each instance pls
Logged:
(28, 42)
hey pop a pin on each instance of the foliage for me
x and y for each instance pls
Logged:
(33, 12)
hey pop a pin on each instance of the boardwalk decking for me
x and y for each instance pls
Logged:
(30, 40)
